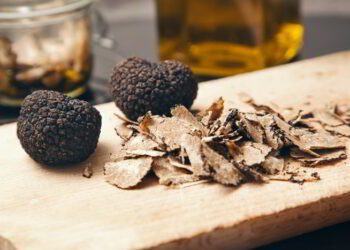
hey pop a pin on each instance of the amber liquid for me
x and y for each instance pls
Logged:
(226, 37)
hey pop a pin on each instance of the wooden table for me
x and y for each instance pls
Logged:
(48, 208)
(326, 31)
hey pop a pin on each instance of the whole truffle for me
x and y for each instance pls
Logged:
(55, 129)
(139, 86)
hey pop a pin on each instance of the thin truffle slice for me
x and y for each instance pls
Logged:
(251, 153)
(127, 173)
(169, 130)
(273, 165)
(224, 171)
(252, 127)
(327, 118)
(193, 148)
(144, 152)
(186, 116)
(124, 132)
(321, 140)
(246, 98)
(168, 174)
(213, 112)
(5, 244)
(136, 146)
(342, 130)
(328, 156)
(291, 134)
(342, 111)
(273, 135)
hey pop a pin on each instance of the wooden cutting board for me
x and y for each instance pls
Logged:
(47, 208)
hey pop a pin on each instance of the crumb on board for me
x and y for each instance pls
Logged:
(87, 171)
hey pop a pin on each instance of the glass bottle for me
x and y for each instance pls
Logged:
(226, 37)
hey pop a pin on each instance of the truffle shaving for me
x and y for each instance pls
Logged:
(193, 148)
(186, 116)
(327, 118)
(273, 135)
(143, 152)
(230, 147)
(213, 112)
(135, 145)
(127, 173)
(253, 128)
(273, 165)
(171, 175)
(321, 140)
(290, 134)
(251, 153)
(124, 132)
(342, 130)
(324, 157)
(224, 171)
(167, 130)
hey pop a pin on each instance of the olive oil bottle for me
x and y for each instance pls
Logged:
(226, 37)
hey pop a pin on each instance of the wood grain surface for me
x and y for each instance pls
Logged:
(48, 208)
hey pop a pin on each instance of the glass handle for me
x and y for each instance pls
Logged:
(106, 49)
(101, 31)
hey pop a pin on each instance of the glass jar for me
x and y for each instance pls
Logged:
(44, 44)
(226, 37)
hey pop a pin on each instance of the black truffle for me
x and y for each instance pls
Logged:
(139, 86)
(55, 129)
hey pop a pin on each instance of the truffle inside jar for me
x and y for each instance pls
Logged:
(56, 57)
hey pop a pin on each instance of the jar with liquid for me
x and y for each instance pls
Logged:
(226, 37)
(44, 44)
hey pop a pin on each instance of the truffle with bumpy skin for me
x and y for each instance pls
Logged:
(55, 129)
(139, 86)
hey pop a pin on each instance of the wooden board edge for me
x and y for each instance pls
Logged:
(269, 228)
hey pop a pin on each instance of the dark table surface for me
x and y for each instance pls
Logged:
(325, 33)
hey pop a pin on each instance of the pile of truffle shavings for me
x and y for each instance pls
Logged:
(229, 147)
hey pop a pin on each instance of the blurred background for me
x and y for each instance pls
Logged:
(135, 27)
(72, 45)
